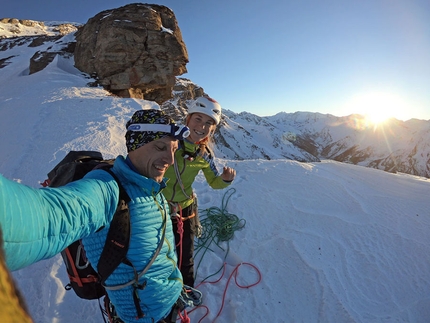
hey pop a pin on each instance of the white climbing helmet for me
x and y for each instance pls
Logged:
(206, 106)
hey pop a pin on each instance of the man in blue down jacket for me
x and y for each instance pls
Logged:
(39, 223)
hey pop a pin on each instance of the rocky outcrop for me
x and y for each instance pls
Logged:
(133, 51)
(184, 91)
(41, 59)
(15, 26)
(20, 27)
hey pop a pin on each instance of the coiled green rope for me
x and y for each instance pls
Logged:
(218, 226)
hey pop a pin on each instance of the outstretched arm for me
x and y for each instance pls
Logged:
(39, 223)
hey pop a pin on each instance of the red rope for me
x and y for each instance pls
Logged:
(216, 281)
(180, 231)
(234, 274)
(184, 318)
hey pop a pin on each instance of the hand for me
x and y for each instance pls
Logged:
(228, 174)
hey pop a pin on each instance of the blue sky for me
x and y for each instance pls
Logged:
(337, 57)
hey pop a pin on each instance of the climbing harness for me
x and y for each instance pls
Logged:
(176, 207)
(189, 298)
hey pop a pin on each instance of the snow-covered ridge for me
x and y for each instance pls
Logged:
(395, 146)
(12, 27)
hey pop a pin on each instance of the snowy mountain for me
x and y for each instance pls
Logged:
(394, 146)
(323, 241)
(13, 27)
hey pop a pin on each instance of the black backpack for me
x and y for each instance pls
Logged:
(84, 279)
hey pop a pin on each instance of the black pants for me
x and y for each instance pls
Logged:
(186, 262)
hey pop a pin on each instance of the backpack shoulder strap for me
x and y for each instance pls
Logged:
(118, 237)
(122, 192)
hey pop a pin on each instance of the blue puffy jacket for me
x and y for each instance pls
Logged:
(39, 223)
(163, 281)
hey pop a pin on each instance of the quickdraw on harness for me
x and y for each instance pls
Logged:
(189, 298)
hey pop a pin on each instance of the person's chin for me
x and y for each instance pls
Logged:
(158, 177)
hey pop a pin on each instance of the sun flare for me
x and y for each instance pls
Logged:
(377, 107)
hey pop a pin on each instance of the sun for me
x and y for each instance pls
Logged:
(378, 107)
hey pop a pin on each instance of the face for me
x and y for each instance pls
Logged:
(153, 159)
(200, 126)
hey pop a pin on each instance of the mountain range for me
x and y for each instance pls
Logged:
(393, 146)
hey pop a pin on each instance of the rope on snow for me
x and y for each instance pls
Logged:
(219, 226)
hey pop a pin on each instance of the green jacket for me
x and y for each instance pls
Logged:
(188, 170)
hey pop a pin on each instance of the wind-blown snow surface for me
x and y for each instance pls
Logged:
(333, 242)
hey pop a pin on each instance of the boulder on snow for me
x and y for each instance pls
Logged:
(134, 51)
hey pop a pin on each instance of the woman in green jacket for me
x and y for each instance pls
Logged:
(192, 156)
